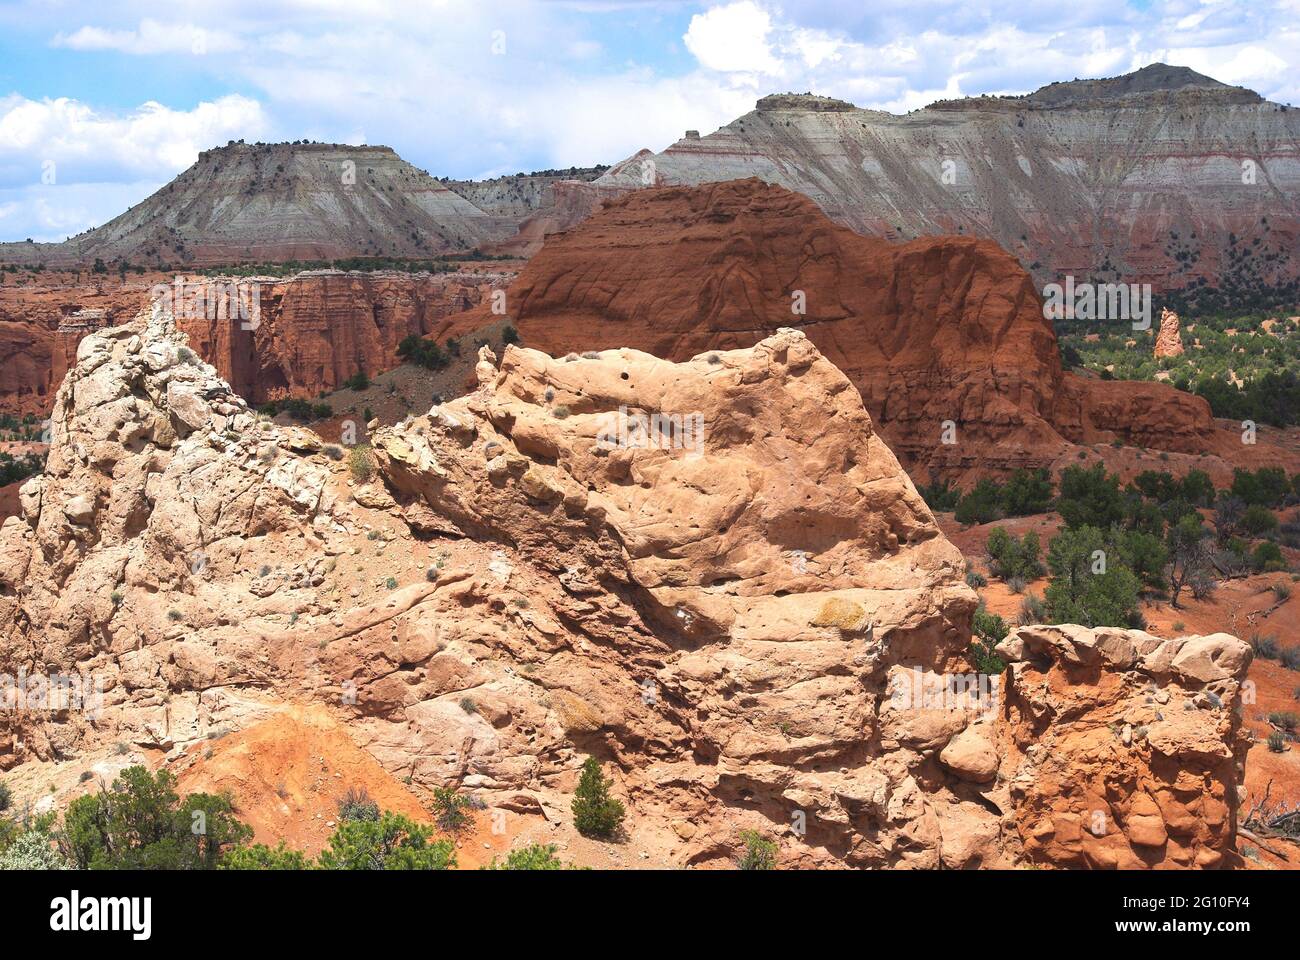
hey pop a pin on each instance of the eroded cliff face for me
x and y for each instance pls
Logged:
(311, 332)
(713, 575)
(944, 337)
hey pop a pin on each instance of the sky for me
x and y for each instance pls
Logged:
(103, 103)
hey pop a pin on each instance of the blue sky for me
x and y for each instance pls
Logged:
(102, 103)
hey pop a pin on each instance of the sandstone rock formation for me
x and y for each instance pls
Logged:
(1169, 342)
(935, 332)
(312, 331)
(1146, 174)
(713, 575)
(1126, 750)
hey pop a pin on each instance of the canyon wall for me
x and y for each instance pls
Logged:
(313, 330)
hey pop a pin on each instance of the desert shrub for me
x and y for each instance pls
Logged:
(561, 412)
(142, 824)
(1258, 521)
(976, 580)
(1285, 719)
(1146, 555)
(356, 804)
(393, 842)
(509, 335)
(595, 812)
(983, 504)
(1282, 592)
(361, 462)
(334, 452)
(1290, 658)
(358, 381)
(535, 856)
(6, 797)
(1032, 610)
(1267, 557)
(1276, 742)
(1015, 557)
(33, 850)
(1265, 646)
(1027, 492)
(940, 496)
(989, 630)
(1266, 487)
(1079, 593)
(423, 353)
(449, 809)
(261, 857)
(1089, 497)
(759, 852)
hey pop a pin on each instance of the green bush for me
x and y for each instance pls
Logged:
(142, 824)
(940, 496)
(1015, 557)
(983, 504)
(423, 353)
(449, 809)
(535, 856)
(1146, 555)
(1027, 492)
(1267, 557)
(1258, 521)
(1089, 497)
(1077, 594)
(261, 857)
(393, 842)
(989, 630)
(595, 812)
(759, 853)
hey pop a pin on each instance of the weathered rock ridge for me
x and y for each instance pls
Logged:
(713, 575)
(937, 331)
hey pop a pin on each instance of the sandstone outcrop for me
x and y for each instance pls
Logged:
(1169, 341)
(944, 337)
(713, 575)
(1127, 749)
(309, 334)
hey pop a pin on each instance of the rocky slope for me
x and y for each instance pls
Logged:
(312, 331)
(296, 201)
(1157, 176)
(748, 624)
(936, 331)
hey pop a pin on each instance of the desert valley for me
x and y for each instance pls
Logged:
(740, 504)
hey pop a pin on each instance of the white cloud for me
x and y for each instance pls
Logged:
(152, 37)
(74, 143)
(733, 38)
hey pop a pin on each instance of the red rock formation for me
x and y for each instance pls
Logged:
(313, 331)
(944, 336)
(1169, 343)
(761, 629)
